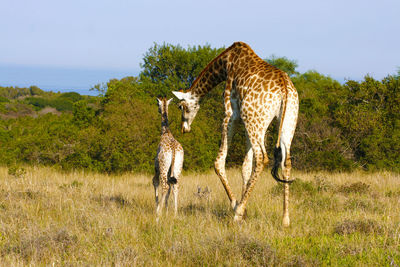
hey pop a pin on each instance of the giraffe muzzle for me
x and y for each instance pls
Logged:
(185, 127)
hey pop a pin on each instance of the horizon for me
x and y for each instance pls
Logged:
(59, 79)
(81, 80)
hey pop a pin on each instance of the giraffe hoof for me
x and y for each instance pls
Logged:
(286, 221)
(238, 218)
(239, 213)
(234, 204)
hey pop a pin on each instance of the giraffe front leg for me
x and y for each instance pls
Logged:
(228, 127)
(219, 164)
(247, 166)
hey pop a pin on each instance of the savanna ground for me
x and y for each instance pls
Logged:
(49, 217)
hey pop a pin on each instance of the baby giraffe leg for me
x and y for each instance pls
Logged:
(175, 189)
(164, 191)
(156, 183)
(166, 198)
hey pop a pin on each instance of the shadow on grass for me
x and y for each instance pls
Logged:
(116, 199)
(219, 211)
(193, 209)
(122, 202)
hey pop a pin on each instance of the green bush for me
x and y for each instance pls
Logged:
(61, 104)
(4, 99)
(340, 127)
(71, 96)
(34, 90)
(38, 102)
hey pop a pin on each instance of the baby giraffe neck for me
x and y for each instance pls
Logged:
(164, 123)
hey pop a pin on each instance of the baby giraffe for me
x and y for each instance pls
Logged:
(168, 162)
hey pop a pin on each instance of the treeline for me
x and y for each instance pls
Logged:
(17, 101)
(341, 126)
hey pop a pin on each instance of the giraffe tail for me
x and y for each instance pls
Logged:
(280, 149)
(172, 179)
(278, 159)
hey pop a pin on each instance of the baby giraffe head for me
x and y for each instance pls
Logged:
(163, 103)
(189, 105)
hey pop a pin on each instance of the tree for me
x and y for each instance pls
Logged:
(283, 63)
(169, 67)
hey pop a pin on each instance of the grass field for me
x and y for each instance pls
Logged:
(49, 217)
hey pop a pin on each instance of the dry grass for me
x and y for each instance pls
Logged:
(75, 219)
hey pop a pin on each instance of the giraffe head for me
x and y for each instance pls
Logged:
(163, 104)
(189, 105)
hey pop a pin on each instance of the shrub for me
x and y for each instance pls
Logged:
(62, 104)
(71, 96)
(38, 102)
(4, 99)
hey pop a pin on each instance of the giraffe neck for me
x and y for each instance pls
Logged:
(217, 70)
(164, 122)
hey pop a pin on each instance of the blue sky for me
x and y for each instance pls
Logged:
(45, 42)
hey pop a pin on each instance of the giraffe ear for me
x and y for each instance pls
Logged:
(169, 101)
(159, 101)
(180, 95)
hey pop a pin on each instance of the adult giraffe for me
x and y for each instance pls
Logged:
(256, 92)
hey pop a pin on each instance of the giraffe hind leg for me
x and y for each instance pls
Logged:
(257, 144)
(288, 127)
(286, 176)
(259, 166)
(286, 166)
